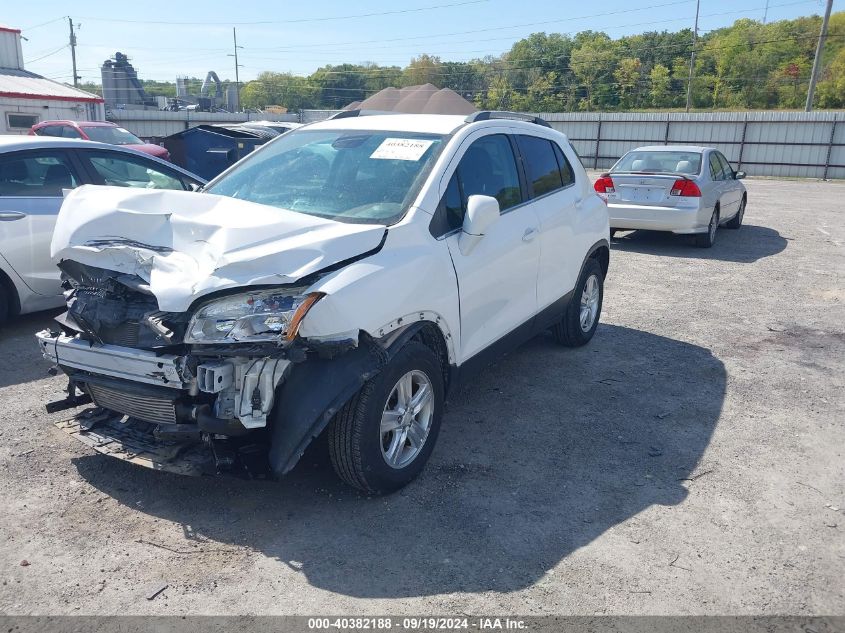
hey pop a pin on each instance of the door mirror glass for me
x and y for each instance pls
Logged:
(482, 213)
(739, 175)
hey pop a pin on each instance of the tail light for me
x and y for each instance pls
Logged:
(604, 184)
(685, 188)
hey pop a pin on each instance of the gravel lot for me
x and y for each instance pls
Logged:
(688, 461)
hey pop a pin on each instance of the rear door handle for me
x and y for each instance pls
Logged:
(529, 234)
(11, 216)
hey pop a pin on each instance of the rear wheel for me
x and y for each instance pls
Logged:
(581, 318)
(736, 221)
(5, 304)
(382, 438)
(706, 240)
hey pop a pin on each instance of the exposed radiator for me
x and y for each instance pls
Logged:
(142, 407)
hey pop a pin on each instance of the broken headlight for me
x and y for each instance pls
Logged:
(264, 315)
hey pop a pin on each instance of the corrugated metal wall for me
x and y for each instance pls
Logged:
(791, 144)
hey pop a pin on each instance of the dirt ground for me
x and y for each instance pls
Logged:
(688, 461)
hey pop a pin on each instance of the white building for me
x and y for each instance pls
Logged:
(27, 98)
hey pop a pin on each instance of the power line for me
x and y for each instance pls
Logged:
(38, 59)
(294, 20)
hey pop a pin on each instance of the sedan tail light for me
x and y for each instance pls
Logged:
(604, 184)
(685, 188)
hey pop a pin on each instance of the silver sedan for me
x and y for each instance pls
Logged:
(34, 173)
(682, 189)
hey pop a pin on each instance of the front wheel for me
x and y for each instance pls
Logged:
(581, 318)
(382, 438)
(736, 221)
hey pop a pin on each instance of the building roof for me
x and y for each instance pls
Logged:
(22, 84)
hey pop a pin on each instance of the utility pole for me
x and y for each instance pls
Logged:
(817, 62)
(76, 77)
(766, 12)
(237, 66)
(692, 55)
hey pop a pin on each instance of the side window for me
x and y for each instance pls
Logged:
(715, 167)
(38, 174)
(68, 131)
(541, 165)
(489, 168)
(727, 170)
(128, 171)
(50, 130)
(453, 203)
(567, 176)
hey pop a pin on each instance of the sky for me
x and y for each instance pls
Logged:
(168, 39)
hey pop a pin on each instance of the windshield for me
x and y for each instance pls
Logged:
(349, 176)
(112, 135)
(659, 161)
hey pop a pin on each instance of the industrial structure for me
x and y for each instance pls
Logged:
(121, 86)
(27, 98)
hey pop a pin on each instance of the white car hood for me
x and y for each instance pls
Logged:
(186, 245)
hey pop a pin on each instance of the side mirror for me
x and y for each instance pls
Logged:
(739, 175)
(482, 213)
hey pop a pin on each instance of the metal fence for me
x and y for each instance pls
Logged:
(788, 144)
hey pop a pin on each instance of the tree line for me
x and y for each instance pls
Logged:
(748, 65)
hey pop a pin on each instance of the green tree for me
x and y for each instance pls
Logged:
(660, 82)
(627, 75)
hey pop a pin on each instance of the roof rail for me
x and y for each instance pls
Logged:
(486, 115)
(348, 114)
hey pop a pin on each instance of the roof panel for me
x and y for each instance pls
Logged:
(23, 84)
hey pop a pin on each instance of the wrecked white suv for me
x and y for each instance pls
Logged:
(345, 277)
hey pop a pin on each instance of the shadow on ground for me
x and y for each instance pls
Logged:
(544, 453)
(21, 359)
(746, 245)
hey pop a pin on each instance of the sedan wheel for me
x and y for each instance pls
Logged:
(736, 221)
(706, 240)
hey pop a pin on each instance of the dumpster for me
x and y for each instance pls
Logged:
(207, 150)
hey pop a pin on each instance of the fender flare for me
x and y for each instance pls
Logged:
(317, 388)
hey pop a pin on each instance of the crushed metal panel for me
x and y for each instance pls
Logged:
(132, 364)
(186, 245)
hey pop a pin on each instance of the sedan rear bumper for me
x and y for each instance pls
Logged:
(653, 218)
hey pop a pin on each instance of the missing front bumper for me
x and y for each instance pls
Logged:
(134, 441)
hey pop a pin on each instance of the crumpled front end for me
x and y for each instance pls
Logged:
(171, 384)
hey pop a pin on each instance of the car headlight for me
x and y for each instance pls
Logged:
(263, 315)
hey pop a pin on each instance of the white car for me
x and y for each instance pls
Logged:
(34, 172)
(346, 276)
(682, 189)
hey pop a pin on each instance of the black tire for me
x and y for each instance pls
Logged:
(5, 304)
(736, 221)
(568, 331)
(706, 240)
(355, 439)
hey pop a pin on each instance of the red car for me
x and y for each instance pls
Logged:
(101, 131)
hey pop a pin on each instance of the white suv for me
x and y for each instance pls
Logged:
(345, 277)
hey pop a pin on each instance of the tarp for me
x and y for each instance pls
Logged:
(425, 99)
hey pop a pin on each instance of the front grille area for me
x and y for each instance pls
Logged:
(143, 407)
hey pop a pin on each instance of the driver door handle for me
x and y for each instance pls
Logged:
(529, 234)
(11, 216)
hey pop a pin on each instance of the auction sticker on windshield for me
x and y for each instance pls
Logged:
(401, 149)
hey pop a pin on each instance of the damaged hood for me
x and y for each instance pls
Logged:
(186, 245)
